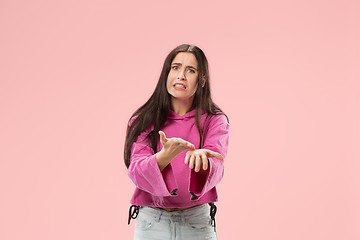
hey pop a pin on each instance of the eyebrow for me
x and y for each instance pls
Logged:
(181, 64)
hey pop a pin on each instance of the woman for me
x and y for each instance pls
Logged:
(174, 151)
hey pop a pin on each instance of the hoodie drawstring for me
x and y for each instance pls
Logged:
(133, 212)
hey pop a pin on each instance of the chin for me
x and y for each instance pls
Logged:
(182, 97)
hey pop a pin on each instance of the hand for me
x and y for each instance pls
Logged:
(199, 158)
(171, 148)
(174, 146)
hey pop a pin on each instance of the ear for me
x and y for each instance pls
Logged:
(203, 81)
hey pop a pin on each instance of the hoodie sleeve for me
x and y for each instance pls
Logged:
(145, 172)
(216, 138)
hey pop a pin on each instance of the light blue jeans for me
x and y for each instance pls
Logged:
(192, 223)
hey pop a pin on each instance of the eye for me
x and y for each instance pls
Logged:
(175, 67)
(192, 71)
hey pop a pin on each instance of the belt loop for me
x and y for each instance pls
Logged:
(158, 215)
(133, 212)
(183, 217)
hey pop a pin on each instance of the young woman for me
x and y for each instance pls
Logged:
(174, 151)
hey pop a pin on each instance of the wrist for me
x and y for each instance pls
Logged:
(162, 159)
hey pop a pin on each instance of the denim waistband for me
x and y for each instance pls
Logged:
(158, 213)
(180, 215)
(201, 209)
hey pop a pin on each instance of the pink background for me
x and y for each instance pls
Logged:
(285, 72)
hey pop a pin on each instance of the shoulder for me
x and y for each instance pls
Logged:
(140, 124)
(219, 118)
(216, 121)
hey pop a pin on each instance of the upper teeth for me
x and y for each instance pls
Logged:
(179, 85)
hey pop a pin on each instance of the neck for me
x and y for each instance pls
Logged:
(180, 106)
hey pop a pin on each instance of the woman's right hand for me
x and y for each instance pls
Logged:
(171, 148)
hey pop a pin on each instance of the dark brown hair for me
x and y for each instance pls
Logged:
(155, 111)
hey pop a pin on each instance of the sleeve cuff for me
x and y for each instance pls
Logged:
(169, 179)
(149, 178)
(201, 183)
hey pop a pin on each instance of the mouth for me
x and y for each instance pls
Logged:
(179, 86)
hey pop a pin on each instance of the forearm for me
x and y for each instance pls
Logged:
(146, 175)
(163, 159)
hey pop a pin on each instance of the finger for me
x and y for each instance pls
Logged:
(187, 157)
(192, 162)
(214, 154)
(187, 144)
(205, 162)
(191, 146)
(197, 163)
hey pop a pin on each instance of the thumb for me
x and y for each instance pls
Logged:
(214, 154)
(163, 138)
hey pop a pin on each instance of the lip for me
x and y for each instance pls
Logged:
(179, 84)
(179, 88)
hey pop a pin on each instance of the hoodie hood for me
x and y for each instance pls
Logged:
(174, 115)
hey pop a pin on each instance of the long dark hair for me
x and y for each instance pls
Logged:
(155, 111)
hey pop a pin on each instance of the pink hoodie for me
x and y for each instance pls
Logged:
(177, 186)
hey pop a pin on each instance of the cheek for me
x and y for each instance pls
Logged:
(168, 80)
(168, 83)
(194, 85)
(170, 77)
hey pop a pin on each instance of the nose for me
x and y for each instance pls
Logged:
(181, 75)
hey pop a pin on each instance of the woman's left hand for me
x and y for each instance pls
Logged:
(197, 159)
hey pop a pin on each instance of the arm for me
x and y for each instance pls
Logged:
(144, 170)
(216, 139)
(171, 148)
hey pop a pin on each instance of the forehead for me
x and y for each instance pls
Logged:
(185, 58)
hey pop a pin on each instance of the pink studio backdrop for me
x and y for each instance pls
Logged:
(285, 72)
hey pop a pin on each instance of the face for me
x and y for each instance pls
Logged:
(183, 75)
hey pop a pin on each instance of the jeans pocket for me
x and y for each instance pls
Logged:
(201, 222)
(144, 223)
